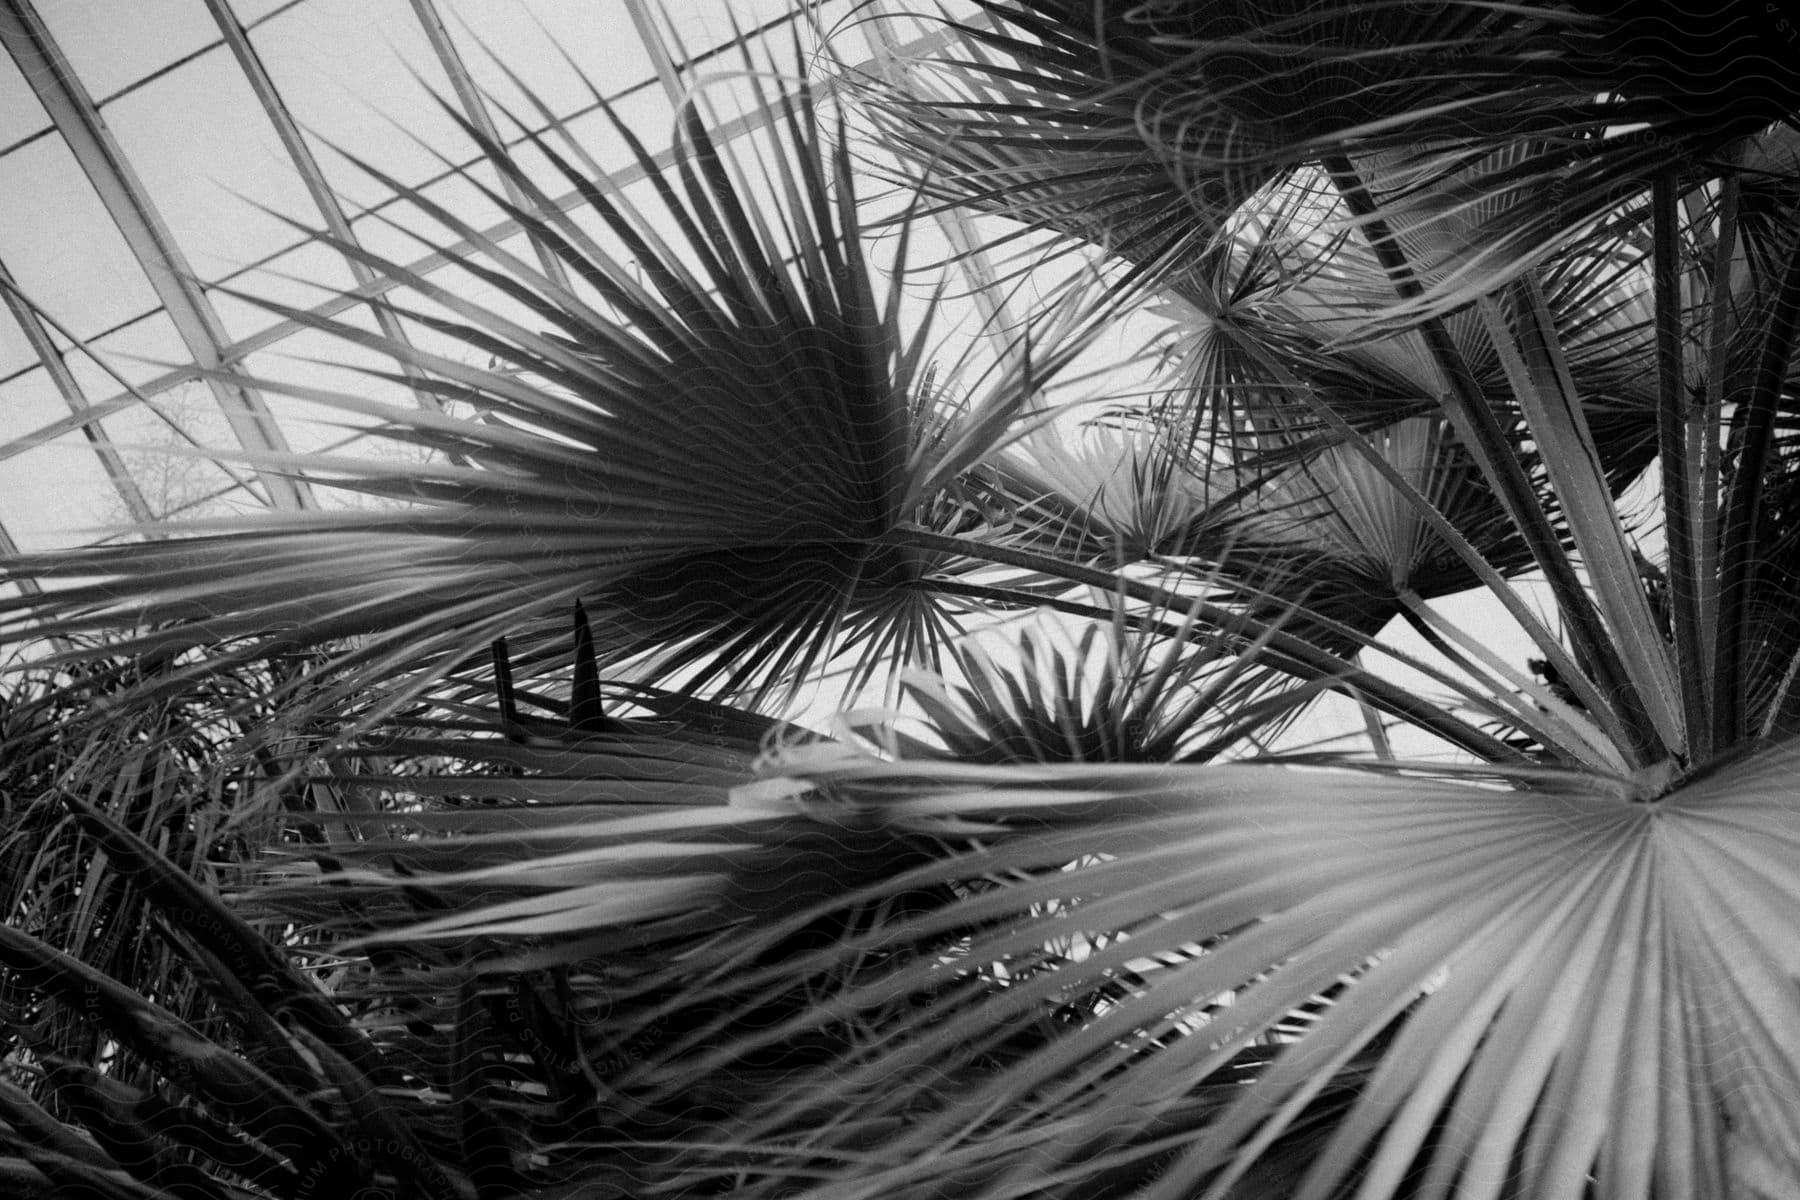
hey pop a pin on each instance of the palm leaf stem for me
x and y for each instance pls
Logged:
(1673, 421)
(1525, 339)
(1379, 744)
(1572, 736)
(1547, 642)
(1302, 668)
(1779, 701)
(395, 1146)
(105, 1109)
(1739, 551)
(76, 1177)
(1256, 650)
(144, 1116)
(1480, 431)
(1561, 743)
(1495, 706)
(1719, 331)
(1394, 699)
(1255, 717)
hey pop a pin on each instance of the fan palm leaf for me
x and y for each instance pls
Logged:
(1043, 122)
(1110, 695)
(1615, 949)
(1336, 77)
(1460, 113)
(1524, 944)
(1106, 493)
(710, 457)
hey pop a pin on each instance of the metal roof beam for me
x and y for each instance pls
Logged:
(10, 549)
(67, 387)
(474, 106)
(237, 40)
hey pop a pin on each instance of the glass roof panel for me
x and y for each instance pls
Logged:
(301, 277)
(198, 140)
(123, 45)
(358, 77)
(699, 28)
(20, 113)
(404, 234)
(157, 445)
(498, 36)
(55, 495)
(28, 402)
(61, 246)
(644, 109)
(16, 351)
(317, 360)
(249, 12)
(139, 352)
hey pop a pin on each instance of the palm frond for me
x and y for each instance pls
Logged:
(709, 457)
(189, 770)
(1465, 114)
(1043, 123)
(1110, 695)
(1521, 949)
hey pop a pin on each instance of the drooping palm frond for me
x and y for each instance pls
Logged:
(286, 1099)
(192, 770)
(1169, 980)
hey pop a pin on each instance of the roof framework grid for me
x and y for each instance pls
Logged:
(78, 120)
(331, 211)
(475, 108)
(70, 389)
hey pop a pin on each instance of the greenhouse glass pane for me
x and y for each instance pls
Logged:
(20, 113)
(139, 352)
(533, 40)
(112, 46)
(56, 495)
(350, 71)
(198, 139)
(303, 277)
(29, 402)
(60, 245)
